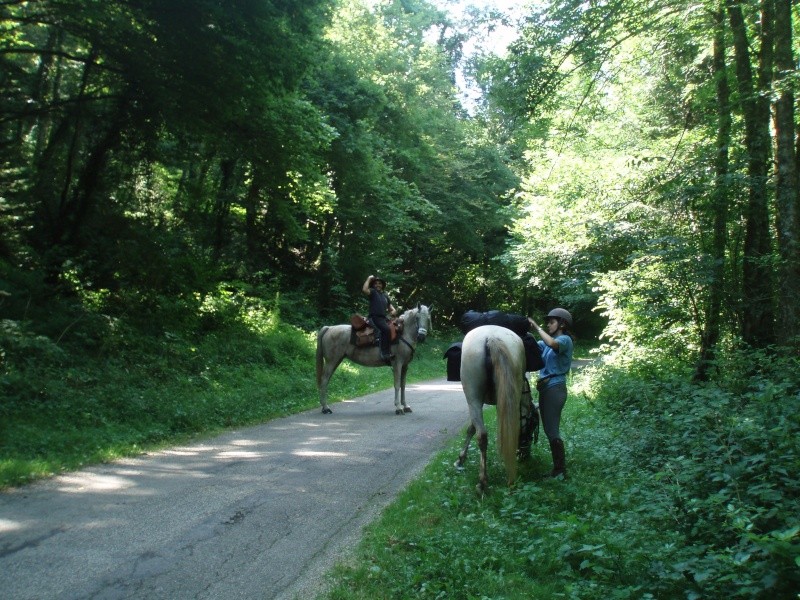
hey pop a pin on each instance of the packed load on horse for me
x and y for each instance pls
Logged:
(519, 324)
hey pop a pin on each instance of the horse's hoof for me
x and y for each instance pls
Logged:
(327, 411)
(399, 411)
(407, 409)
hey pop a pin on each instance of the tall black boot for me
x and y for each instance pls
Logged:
(559, 460)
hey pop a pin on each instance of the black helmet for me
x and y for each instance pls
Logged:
(560, 313)
(376, 280)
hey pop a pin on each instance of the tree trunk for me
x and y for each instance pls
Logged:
(252, 205)
(711, 330)
(47, 83)
(757, 292)
(786, 175)
(222, 207)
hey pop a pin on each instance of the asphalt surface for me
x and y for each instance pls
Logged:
(261, 512)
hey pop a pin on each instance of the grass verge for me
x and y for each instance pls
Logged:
(628, 523)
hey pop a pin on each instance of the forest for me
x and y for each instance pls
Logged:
(190, 188)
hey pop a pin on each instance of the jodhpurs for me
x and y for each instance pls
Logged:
(551, 403)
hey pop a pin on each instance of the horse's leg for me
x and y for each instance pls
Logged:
(327, 372)
(403, 373)
(398, 387)
(462, 456)
(483, 444)
(476, 414)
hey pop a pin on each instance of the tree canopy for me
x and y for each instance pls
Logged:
(633, 161)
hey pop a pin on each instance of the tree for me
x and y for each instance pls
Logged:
(758, 312)
(569, 44)
(720, 203)
(420, 191)
(787, 212)
(101, 91)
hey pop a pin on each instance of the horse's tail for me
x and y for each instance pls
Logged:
(507, 387)
(320, 357)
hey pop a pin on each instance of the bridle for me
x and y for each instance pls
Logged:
(420, 331)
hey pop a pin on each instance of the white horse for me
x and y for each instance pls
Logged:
(492, 372)
(333, 346)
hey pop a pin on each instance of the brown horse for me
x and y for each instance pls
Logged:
(333, 346)
(492, 371)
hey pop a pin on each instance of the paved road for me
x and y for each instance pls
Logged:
(259, 513)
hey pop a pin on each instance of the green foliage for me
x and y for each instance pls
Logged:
(675, 491)
(425, 190)
(724, 454)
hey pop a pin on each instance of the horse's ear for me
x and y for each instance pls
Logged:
(430, 308)
(417, 305)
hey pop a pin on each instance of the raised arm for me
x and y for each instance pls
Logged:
(365, 288)
(546, 337)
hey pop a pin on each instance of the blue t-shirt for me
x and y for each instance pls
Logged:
(556, 364)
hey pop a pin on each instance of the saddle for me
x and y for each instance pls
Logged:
(362, 333)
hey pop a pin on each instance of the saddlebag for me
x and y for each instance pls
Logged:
(453, 357)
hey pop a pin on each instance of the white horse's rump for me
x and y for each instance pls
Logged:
(333, 346)
(492, 371)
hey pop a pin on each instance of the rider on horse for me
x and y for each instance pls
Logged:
(379, 306)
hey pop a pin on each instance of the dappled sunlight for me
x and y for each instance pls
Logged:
(82, 483)
(7, 526)
(181, 452)
(349, 367)
(325, 439)
(240, 454)
(319, 454)
(246, 442)
(437, 387)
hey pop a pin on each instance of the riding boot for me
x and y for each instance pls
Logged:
(559, 460)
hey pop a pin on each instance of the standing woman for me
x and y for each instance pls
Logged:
(379, 306)
(556, 345)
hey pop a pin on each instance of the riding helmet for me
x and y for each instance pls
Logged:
(560, 313)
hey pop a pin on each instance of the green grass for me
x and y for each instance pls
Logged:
(632, 520)
(544, 538)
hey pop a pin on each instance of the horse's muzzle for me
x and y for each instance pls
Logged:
(422, 334)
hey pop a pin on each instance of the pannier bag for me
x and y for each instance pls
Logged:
(453, 357)
(533, 353)
(519, 324)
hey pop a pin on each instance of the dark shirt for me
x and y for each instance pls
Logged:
(378, 303)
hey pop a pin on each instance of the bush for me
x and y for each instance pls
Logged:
(726, 455)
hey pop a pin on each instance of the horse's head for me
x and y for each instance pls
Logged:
(423, 321)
